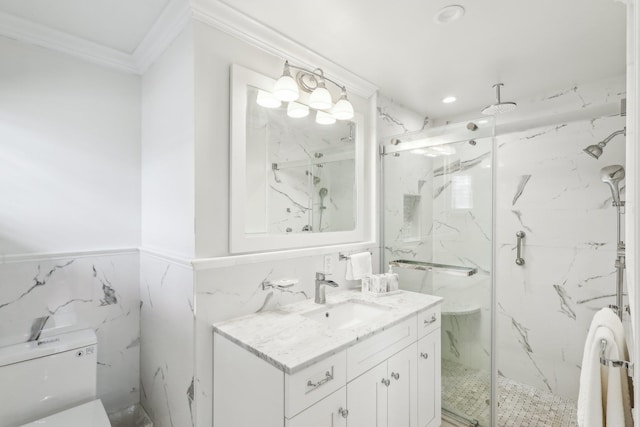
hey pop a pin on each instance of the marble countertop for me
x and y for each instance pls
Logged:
(292, 342)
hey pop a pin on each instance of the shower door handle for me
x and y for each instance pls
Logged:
(520, 235)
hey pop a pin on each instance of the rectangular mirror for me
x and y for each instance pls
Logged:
(294, 182)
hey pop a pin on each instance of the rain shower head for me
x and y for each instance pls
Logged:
(595, 151)
(499, 107)
(612, 175)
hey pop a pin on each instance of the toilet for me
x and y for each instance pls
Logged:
(51, 382)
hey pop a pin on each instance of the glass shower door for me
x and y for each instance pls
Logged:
(438, 210)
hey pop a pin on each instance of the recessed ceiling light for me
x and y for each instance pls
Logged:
(449, 99)
(483, 121)
(449, 14)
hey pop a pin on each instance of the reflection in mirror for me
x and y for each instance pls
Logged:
(300, 174)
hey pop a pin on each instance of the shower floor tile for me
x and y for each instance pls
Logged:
(466, 392)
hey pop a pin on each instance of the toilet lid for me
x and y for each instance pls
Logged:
(91, 414)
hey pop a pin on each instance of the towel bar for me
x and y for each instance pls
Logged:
(343, 257)
(614, 363)
(432, 266)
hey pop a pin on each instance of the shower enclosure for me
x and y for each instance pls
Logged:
(522, 229)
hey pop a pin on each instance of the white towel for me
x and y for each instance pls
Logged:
(604, 398)
(358, 266)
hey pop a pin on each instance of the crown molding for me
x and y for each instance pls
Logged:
(173, 19)
(175, 16)
(231, 21)
(26, 31)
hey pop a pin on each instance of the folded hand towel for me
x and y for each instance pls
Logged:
(604, 397)
(358, 266)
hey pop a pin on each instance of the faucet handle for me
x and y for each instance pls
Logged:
(320, 276)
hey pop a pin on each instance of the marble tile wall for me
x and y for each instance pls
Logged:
(243, 288)
(167, 344)
(97, 291)
(551, 190)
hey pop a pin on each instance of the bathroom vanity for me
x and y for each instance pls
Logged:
(358, 360)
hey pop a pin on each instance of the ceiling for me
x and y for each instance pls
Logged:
(118, 24)
(530, 46)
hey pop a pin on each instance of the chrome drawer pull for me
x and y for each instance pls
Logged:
(343, 412)
(395, 376)
(386, 382)
(424, 355)
(328, 376)
(430, 321)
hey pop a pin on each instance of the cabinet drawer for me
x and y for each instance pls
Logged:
(367, 354)
(319, 380)
(329, 412)
(428, 321)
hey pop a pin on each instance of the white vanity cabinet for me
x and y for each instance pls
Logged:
(387, 377)
(429, 364)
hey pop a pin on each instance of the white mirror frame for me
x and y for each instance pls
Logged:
(241, 242)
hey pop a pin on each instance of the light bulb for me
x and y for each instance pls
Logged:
(323, 118)
(286, 88)
(267, 100)
(320, 98)
(297, 110)
(343, 110)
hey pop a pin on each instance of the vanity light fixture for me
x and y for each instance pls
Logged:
(343, 110)
(297, 110)
(323, 118)
(287, 89)
(267, 100)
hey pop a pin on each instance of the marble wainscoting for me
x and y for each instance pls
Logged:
(550, 189)
(96, 290)
(238, 286)
(167, 344)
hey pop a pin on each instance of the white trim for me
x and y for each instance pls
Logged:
(165, 256)
(228, 261)
(175, 16)
(29, 32)
(229, 20)
(47, 256)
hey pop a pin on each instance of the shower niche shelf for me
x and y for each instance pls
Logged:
(432, 266)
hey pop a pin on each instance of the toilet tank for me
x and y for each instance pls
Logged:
(39, 378)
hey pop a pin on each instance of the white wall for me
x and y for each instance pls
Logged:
(70, 210)
(168, 150)
(69, 165)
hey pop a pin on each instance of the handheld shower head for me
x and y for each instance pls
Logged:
(323, 192)
(612, 175)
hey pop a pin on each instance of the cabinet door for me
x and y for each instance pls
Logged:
(325, 413)
(429, 380)
(403, 388)
(367, 398)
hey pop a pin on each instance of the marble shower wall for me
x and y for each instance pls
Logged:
(240, 287)
(550, 189)
(167, 344)
(97, 291)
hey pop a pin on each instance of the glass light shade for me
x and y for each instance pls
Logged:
(343, 110)
(267, 100)
(323, 118)
(286, 88)
(320, 98)
(297, 110)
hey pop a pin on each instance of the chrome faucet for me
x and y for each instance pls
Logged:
(321, 281)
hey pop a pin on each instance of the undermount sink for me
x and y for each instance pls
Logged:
(345, 315)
